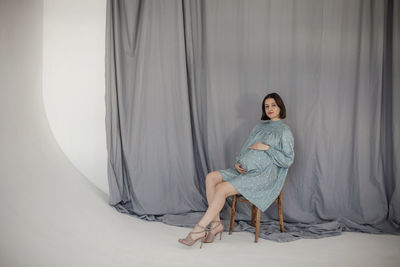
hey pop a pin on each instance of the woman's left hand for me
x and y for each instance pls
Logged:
(259, 146)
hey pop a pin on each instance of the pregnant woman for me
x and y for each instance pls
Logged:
(259, 173)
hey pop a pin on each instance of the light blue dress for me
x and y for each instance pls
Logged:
(265, 170)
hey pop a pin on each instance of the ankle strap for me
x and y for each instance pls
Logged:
(198, 232)
(219, 223)
(203, 227)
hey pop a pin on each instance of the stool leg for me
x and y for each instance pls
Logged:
(253, 215)
(280, 213)
(258, 215)
(233, 213)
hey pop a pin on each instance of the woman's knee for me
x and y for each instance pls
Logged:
(225, 189)
(214, 177)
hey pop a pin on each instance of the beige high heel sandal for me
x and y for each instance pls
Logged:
(210, 235)
(189, 241)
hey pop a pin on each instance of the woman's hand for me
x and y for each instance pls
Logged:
(239, 168)
(259, 146)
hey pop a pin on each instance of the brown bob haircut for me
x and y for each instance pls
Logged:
(279, 102)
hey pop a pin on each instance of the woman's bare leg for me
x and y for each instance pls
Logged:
(212, 180)
(223, 190)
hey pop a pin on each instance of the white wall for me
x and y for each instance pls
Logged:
(74, 82)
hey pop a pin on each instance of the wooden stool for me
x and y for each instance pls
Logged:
(255, 214)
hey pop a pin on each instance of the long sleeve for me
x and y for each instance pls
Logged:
(284, 156)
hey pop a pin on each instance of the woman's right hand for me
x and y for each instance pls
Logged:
(239, 168)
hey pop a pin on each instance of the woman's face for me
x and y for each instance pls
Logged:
(271, 109)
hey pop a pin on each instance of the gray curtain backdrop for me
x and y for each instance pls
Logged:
(185, 82)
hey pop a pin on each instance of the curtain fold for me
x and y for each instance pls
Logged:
(148, 118)
(196, 56)
(184, 85)
(392, 128)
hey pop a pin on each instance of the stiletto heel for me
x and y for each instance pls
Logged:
(210, 235)
(189, 241)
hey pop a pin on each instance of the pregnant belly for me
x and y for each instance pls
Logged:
(254, 160)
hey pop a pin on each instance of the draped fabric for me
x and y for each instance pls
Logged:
(184, 86)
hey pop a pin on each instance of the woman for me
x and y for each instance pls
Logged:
(259, 173)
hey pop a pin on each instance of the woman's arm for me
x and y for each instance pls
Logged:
(259, 146)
